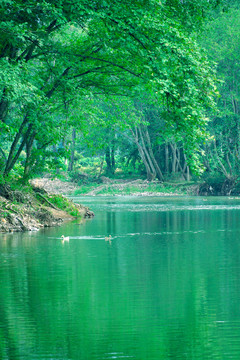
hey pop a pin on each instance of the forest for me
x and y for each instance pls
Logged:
(133, 89)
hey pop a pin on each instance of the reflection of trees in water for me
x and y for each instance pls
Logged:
(111, 223)
(167, 290)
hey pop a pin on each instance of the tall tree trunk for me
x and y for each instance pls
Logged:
(150, 175)
(112, 155)
(188, 173)
(142, 154)
(108, 159)
(14, 145)
(152, 167)
(158, 170)
(101, 168)
(166, 158)
(29, 146)
(186, 168)
(174, 157)
(71, 162)
(177, 159)
(219, 162)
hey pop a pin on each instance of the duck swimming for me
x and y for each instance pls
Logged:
(108, 238)
(65, 238)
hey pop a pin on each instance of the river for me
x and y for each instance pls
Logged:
(166, 287)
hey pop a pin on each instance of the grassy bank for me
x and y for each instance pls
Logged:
(28, 208)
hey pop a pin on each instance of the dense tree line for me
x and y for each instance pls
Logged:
(146, 85)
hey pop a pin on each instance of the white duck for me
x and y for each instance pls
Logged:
(65, 238)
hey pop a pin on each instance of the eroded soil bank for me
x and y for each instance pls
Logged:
(33, 208)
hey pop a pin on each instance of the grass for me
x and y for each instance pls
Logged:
(142, 187)
(84, 189)
(64, 204)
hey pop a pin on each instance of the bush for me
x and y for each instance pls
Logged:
(78, 177)
(65, 204)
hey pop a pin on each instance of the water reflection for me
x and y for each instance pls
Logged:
(168, 286)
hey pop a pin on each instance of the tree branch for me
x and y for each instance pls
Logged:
(89, 71)
(113, 64)
(57, 83)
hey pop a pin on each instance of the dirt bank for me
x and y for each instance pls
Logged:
(55, 186)
(140, 187)
(31, 209)
(118, 187)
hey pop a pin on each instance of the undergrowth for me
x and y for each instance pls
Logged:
(64, 204)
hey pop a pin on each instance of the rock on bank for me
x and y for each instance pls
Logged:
(33, 208)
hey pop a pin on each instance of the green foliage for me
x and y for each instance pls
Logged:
(65, 204)
(84, 189)
(78, 177)
(2, 179)
(57, 58)
(222, 43)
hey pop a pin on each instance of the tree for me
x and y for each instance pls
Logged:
(51, 51)
(222, 43)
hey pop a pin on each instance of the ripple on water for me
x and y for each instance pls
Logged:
(161, 207)
(116, 355)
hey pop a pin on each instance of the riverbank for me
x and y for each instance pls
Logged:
(138, 187)
(42, 204)
(107, 186)
(33, 208)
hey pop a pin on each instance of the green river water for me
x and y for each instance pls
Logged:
(167, 287)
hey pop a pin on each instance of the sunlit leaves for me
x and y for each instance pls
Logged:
(60, 54)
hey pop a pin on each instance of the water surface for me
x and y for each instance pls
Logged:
(167, 287)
